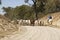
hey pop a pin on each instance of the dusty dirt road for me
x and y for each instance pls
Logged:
(36, 33)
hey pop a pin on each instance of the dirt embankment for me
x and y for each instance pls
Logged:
(55, 16)
(6, 27)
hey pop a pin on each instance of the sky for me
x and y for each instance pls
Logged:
(11, 3)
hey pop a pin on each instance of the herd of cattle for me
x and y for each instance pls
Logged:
(29, 22)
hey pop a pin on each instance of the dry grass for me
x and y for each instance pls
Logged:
(6, 27)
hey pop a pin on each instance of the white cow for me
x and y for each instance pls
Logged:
(27, 22)
(20, 22)
(24, 22)
(39, 22)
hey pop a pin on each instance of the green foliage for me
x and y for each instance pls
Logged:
(20, 12)
(9, 12)
(47, 6)
(28, 12)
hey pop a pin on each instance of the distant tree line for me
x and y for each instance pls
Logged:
(27, 12)
(20, 12)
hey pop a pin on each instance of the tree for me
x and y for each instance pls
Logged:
(47, 5)
(32, 12)
(34, 1)
(57, 5)
(24, 11)
(20, 12)
(9, 12)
